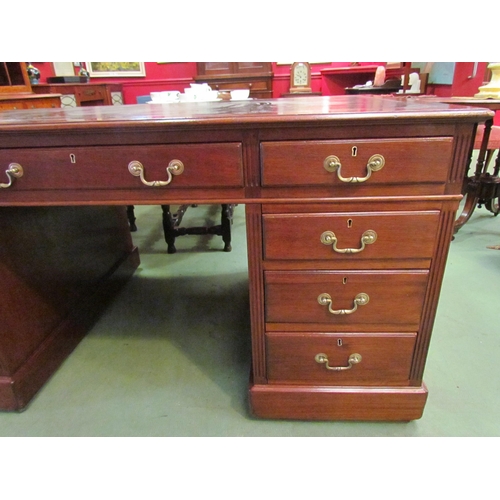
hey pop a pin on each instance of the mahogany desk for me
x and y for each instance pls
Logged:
(350, 204)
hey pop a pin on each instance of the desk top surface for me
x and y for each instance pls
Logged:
(493, 104)
(252, 111)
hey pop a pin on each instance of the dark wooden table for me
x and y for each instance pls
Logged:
(350, 205)
(482, 187)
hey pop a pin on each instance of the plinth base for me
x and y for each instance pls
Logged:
(337, 403)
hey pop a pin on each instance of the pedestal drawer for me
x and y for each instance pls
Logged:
(350, 236)
(375, 161)
(204, 166)
(352, 358)
(362, 300)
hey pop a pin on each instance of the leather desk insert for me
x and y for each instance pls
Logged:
(350, 205)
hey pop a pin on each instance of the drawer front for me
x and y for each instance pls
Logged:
(404, 161)
(91, 93)
(45, 102)
(350, 236)
(254, 85)
(381, 359)
(366, 300)
(205, 166)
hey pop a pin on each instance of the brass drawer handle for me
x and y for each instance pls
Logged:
(375, 163)
(354, 359)
(367, 238)
(360, 300)
(175, 167)
(14, 170)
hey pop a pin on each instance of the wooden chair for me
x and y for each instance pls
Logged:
(172, 225)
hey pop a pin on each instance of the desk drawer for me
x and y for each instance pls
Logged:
(335, 300)
(383, 359)
(205, 166)
(404, 161)
(350, 236)
(253, 85)
(91, 93)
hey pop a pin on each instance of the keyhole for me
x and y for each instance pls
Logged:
(339, 342)
(354, 151)
(344, 280)
(349, 223)
(72, 158)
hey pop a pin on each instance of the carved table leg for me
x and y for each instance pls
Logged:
(169, 228)
(226, 220)
(493, 204)
(471, 201)
(131, 218)
(472, 184)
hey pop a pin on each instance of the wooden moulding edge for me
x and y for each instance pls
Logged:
(337, 403)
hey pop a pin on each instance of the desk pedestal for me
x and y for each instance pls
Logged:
(59, 266)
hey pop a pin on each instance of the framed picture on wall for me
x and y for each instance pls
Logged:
(115, 69)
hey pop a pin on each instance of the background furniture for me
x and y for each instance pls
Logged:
(25, 101)
(390, 87)
(14, 78)
(488, 193)
(337, 79)
(256, 76)
(300, 94)
(172, 225)
(342, 294)
(15, 89)
(83, 94)
(483, 187)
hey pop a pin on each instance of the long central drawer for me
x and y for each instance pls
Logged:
(212, 165)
